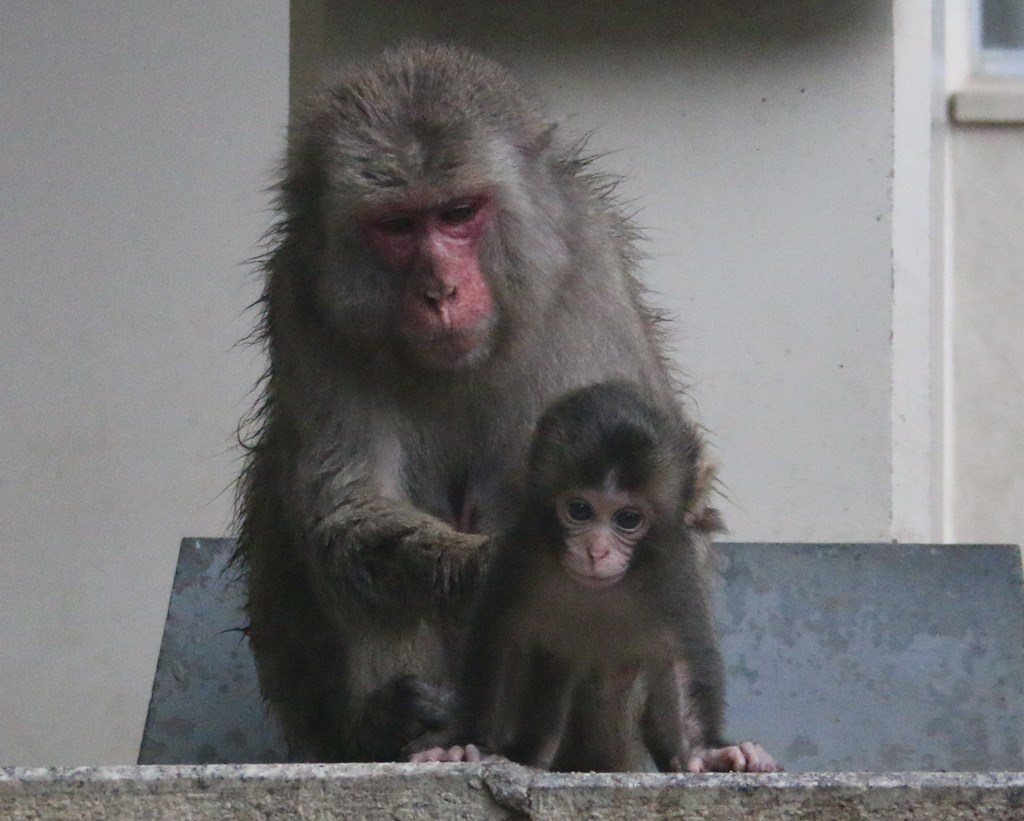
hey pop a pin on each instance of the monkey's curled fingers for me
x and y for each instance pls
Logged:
(440, 543)
(402, 555)
(746, 757)
(454, 559)
(468, 754)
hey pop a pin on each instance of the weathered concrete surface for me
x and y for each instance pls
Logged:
(412, 791)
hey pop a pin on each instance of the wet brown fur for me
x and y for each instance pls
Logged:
(358, 462)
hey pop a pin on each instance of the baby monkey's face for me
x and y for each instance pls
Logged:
(601, 527)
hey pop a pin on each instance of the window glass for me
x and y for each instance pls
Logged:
(1001, 37)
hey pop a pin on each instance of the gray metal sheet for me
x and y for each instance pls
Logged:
(873, 657)
(876, 657)
(206, 707)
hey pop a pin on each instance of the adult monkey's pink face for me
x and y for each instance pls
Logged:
(445, 310)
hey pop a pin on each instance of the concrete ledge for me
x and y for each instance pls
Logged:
(501, 790)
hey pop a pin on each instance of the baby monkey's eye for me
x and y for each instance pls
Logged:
(628, 519)
(579, 511)
(459, 213)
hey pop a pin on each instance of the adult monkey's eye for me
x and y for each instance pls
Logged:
(396, 225)
(579, 511)
(628, 519)
(459, 213)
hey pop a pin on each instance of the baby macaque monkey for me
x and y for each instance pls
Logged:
(591, 647)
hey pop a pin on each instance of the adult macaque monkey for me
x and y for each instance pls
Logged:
(443, 267)
(591, 645)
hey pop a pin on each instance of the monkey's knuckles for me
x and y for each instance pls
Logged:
(746, 757)
(758, 759)
(452, 560)
(436, 755)
(431, 756)
(407, 556)
(469, 753)
(450, 546)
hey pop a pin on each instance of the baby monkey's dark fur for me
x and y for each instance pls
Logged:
(566, 677)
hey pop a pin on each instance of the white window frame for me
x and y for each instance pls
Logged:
(986, 85)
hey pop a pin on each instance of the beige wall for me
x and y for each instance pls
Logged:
(985, 407)
(987, 445)
(135, 142)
